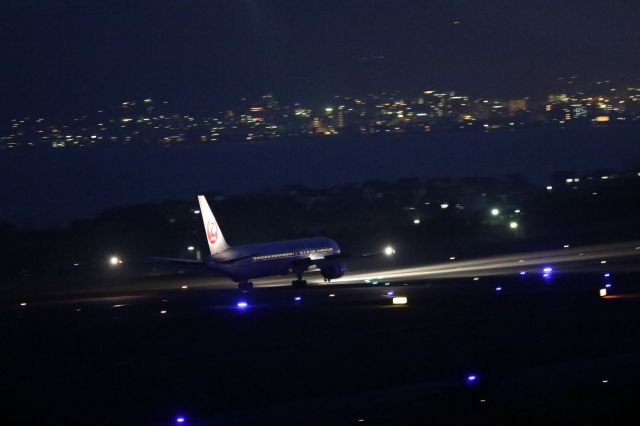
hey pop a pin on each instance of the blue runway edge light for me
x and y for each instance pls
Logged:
(180, 419)
(242, 305)
(472, 378)
(297, 298)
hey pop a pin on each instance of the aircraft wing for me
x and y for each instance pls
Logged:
(388, 251)
(175, 260)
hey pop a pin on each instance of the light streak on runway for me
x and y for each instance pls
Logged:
(584, 259)
(620, 257)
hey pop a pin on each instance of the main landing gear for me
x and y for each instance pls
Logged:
(299, 282)
(245, 285)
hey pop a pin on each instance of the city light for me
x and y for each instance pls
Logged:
(444, 206)
(513, 225)
(495, 212)
(191, 248)
(382, 116)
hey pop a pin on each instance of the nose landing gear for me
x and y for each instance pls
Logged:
(245, 285)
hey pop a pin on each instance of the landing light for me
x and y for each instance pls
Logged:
(603, 292)
(513, 225)
(389, 251)
(400, 300)
(115, 260)
(495, 212)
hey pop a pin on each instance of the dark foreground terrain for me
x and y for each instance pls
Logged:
(543, 351)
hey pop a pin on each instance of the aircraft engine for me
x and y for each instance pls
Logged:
(333, 270)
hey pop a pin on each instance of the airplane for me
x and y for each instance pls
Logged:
(244, 263)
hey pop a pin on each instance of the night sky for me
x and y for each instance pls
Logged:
(70, 57)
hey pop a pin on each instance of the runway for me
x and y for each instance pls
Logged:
(339, 353)
(622, 257)
(618, 257)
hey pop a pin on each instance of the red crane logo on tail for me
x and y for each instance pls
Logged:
(212, 231)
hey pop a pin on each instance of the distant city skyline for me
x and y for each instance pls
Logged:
(67, 57)
(155, 121)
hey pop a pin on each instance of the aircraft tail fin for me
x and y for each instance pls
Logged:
(215, 239)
